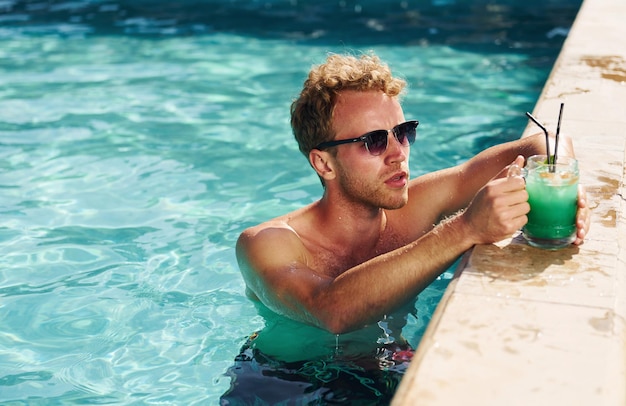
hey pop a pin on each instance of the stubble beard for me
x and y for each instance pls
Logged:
(376, 196)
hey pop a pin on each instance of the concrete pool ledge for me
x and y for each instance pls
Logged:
(522, 326)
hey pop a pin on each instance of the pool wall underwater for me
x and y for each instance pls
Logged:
(518, 325)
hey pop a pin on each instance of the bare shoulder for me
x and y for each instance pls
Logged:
(267, 243)
(274, 263)
(265, 251)
(274, 240)
(269, 228)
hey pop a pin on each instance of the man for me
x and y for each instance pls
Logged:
(376, 238)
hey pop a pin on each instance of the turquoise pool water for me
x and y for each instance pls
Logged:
(138, 139)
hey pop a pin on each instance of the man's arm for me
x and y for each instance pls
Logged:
(274, 263)
(452, 189)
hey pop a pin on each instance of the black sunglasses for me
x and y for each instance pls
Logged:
(376, 141)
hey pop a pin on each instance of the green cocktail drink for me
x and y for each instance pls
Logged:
(552, 196)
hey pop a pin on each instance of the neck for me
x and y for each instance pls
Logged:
(351, 225)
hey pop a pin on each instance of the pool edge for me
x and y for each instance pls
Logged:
(519, 325)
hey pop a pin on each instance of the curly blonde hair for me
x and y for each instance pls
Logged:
(312, 111)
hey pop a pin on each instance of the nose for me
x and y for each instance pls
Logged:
(396, 152)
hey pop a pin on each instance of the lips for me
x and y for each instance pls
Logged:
(397, 180)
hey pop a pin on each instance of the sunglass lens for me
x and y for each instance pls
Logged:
(406, 133)
(377, 142)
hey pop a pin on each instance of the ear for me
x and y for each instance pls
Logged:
(323, 164)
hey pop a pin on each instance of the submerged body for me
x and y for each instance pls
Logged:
(289, 362)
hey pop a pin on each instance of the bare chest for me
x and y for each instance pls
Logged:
(333, 261)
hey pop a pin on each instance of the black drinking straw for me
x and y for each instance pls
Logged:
(545, 132)
(558, 130)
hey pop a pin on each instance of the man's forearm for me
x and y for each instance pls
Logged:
(387, 282)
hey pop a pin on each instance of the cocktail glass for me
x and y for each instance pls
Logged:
(553, 198)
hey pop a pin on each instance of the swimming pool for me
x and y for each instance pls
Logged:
(138, 138)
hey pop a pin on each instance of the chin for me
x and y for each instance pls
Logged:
(394, 205)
